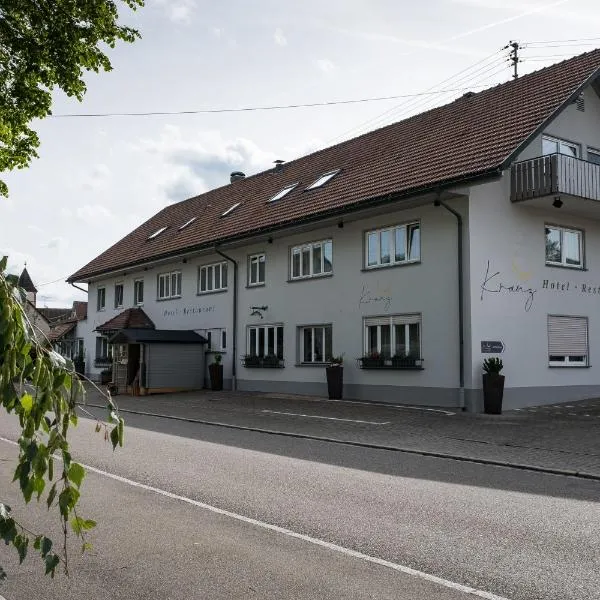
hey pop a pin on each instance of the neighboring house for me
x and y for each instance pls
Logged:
(68, 329)
(435, 237)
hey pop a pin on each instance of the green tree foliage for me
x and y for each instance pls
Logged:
(48, 44)
(41, 388)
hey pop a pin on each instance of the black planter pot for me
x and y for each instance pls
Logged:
(335, 382)
(216, 376)
(493, 392)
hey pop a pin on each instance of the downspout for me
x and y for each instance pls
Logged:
(235, 318)
(78, 288)
(461, 326)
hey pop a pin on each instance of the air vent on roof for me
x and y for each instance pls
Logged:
(580, 102)
(284, 192)
(323, 179)
(236, 175)
(278, 165)
(188, 223)
(231, 209)
(156, 233)
(468, 94)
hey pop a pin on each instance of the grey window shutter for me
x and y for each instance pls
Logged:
(567, 335)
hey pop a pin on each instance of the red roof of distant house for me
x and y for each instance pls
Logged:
(132, 318)
(60, 330)
(474, 136)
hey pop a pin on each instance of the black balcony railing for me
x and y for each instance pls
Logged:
(555, 174)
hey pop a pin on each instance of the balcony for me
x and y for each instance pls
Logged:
(553, 175)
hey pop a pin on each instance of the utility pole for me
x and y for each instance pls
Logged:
(514, 57)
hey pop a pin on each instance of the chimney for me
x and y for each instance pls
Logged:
(236, 175)
(278, 165)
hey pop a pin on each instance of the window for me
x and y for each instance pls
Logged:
(118, 295)
(265, 340)
(138, 292)
(393, 336)
(231, 209)
(212, 278)
(102, 348)
(101, 298)
(312, 260)
(594, 156)
(323, 179)
(567, 341)
(315, 344)
(169, 285)
(216, 337)
(187, 223)
(286, 190)
(564, 247)
(551, 145)
(256, 269)
(157, 233)
(393, 245)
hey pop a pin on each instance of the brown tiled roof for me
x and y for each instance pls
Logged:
(60, 330)
(128, 319)
(471, 137)
(55, 314)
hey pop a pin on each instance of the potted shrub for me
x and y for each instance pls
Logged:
(271, 360)
(372, 360)
(215, 371)
(493, 385)
(335, 377)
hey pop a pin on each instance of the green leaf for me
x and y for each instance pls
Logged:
(38, 486)
(51, 561)
(46, 546)
(27, 403)
(121, 428)
(98, 427)
(76, 474)
(85, 546)
(4, 511)
(51, 496)
(50, 469)
(114, 437)
(89, 524)
(73, 419)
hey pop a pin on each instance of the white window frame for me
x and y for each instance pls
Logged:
(262, 352)
(563, 262)
(377, 234)
(316, 331)
(100, 306)
(254, 261)
(323, 179)
(217, 338)
(231, 209)
(168, 291)
(566, 359)
(136, 294)
(211, 282)
(310, 247)
(157, 232)
(392, 321)
(283, 192)
(558, 142)
(103, 346)
(122, 286)
(187, 223)
(595, 152)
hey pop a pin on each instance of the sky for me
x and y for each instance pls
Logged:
(97, 178)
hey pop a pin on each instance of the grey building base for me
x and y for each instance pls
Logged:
(522, 397)
(411, 395)
(227, 384)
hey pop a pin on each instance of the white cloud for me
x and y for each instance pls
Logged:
(56, 243)
(217, 32)
(279, 37)
(91, 213)
(325, 65)
(178, 11)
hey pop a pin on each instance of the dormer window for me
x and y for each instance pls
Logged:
(157, 233)
(323, 179)
(284, 192)
(231, 209)
(187, 223)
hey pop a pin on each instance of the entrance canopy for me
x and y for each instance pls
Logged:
(157, 336)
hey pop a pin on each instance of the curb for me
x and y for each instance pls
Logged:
(443, 455)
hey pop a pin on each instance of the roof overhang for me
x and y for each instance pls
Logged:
(156, 336)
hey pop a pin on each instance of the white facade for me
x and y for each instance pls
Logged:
(509, 296)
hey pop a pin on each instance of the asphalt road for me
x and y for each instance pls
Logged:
(520, 535)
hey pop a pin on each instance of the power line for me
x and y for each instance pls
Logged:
(253, 108)
(560, 41)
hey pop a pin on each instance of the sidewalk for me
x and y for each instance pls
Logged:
(559, 438)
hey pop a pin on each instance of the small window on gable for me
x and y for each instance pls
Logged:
(323, 179)
(187, 223)
(284, 192)
(231, 209)
(156, 233)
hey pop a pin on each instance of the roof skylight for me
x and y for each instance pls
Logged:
(323, 179)
(157, 233)
(231, 209)
(286, 190)
(188, 223)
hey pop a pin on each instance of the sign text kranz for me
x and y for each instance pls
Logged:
(493, 284)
